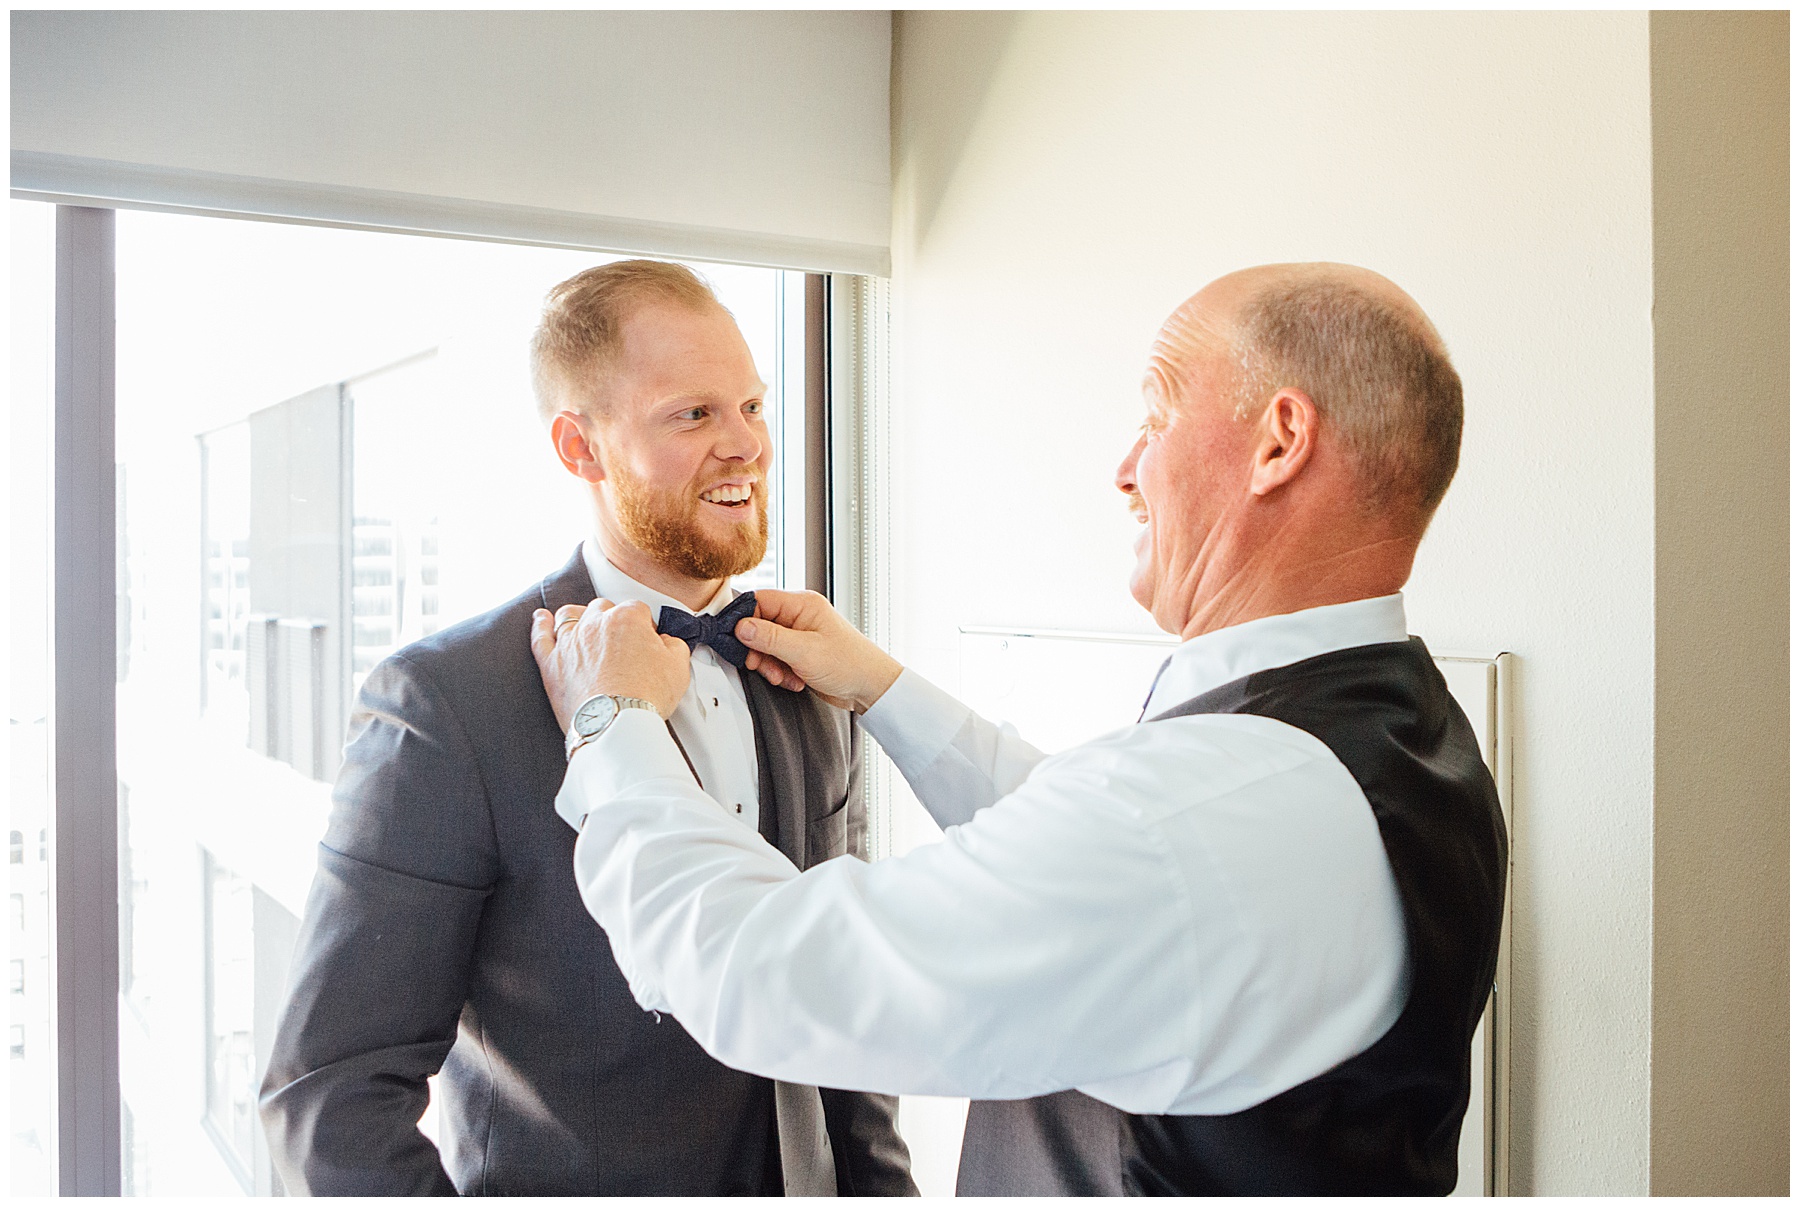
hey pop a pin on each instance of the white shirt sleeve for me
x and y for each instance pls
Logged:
(955, 761)
(1189, 917)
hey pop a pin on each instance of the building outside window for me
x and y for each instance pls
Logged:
(332, 450)
(32, 1069)
(230, 1016)
(136, 1180)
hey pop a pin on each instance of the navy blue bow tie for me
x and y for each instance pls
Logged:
(714, 631)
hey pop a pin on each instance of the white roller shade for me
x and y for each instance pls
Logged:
(758, 137)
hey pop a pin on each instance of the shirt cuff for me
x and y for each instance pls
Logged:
(635, 749)
(915, 721)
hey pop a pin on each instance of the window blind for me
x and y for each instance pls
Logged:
(749, 137)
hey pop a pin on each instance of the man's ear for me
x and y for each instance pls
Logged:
(1286, 436)
(569, 433)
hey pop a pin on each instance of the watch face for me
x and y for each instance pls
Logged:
(593, 716)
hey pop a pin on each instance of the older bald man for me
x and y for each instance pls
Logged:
(1240, 947)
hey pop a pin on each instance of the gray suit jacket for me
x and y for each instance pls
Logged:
(444, 932)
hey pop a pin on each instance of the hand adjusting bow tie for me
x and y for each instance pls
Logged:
(714, 631)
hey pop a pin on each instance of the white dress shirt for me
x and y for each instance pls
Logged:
(713, 718)
(1187, 916)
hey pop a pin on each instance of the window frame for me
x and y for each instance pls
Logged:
(828, 547)
(84, 812)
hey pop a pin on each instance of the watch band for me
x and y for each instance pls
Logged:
(577, 738)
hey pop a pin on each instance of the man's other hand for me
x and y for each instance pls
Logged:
(797, 640)
(602, 650)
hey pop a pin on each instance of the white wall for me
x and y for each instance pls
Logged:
(1063, 180)
(758, 135)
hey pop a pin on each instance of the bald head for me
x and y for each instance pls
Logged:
(1353, 342)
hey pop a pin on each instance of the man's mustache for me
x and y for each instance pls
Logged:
(757, 485)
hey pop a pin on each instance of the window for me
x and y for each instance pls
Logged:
(138, 940)
(15, 976)
(332, 451)
(137, 1164)
(32, 1076)
(230, 1016)
(43, 845)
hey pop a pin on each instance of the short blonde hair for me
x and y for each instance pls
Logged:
(582, 328)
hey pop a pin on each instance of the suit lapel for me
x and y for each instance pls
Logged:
(570, 585)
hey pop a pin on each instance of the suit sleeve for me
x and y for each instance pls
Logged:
(871, 1158)
(381, 968)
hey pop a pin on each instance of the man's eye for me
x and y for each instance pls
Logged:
(694, 413)
(754, 408)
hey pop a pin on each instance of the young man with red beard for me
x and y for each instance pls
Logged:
(444, 933)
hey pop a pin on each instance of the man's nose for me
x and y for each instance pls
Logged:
(740, 439)
(1126, 477)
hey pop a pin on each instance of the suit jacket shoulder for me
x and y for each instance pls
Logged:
(444, 733)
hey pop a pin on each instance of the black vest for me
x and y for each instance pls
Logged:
(1385, 1122)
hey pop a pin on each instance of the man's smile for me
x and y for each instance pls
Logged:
(730, 494)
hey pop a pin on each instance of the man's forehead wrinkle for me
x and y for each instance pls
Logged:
(1185, 339)
(1159, 387)
(1202, 337)
(1166, 378)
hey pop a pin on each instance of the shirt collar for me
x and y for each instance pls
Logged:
(1214, 659)
(612, 583)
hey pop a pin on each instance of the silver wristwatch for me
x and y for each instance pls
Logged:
(593, 717)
